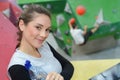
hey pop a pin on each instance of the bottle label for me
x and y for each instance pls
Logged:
(39, 73)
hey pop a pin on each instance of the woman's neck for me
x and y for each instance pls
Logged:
(29, 49)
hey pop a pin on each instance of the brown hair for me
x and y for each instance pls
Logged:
(74, 25)
(28, 15)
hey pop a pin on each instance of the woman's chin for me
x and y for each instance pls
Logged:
(38, 46)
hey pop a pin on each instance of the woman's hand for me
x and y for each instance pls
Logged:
(54, 76)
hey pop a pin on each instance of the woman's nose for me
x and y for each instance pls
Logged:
(42, 33)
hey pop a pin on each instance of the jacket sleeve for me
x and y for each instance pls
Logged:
(18, 72)
(67, 67)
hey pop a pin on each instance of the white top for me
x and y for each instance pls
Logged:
(47, 61)
(77, 35)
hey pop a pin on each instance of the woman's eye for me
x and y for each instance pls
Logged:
(39, 28)
(48, 30)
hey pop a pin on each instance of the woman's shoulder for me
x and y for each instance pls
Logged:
(17, 58)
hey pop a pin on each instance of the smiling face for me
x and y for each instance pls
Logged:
(36, 31)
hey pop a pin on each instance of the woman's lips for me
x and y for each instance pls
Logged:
(40, 40)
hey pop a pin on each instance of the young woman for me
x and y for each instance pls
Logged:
(34, 58)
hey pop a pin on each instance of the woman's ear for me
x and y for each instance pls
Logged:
(21, 25)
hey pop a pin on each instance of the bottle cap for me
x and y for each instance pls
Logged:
(27, 64)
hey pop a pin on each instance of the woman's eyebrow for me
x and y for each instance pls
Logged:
(42, 25)
(39, 24)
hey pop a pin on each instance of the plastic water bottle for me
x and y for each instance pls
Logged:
(36, 73)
